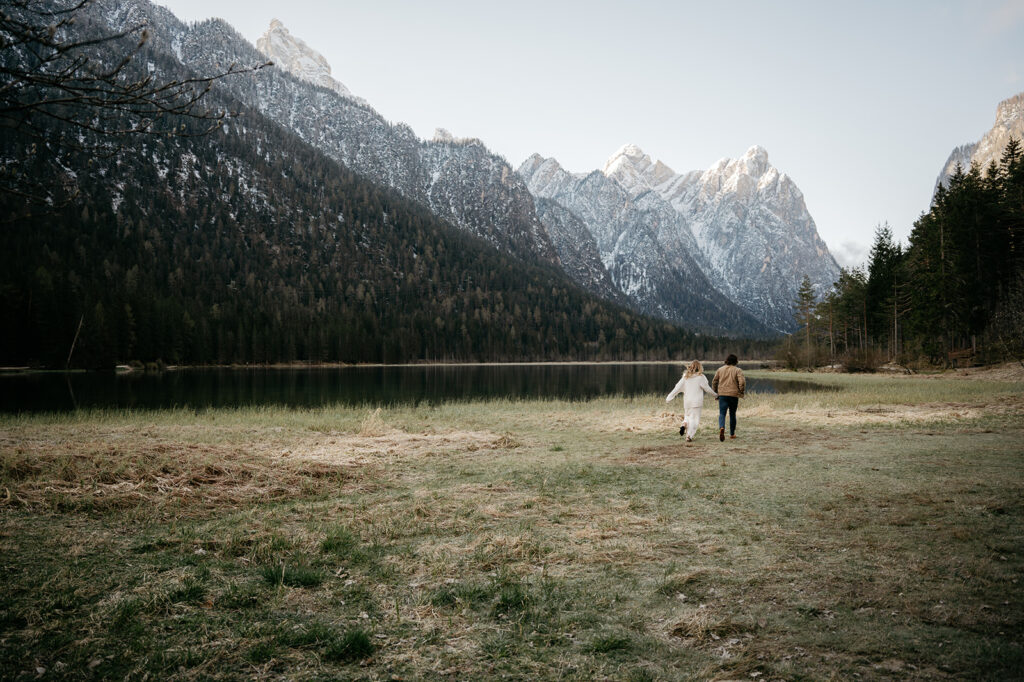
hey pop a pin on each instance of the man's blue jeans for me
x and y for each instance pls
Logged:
(727, 403)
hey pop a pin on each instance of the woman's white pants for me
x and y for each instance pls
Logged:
(691, 415)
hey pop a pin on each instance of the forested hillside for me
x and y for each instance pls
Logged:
(246, 246)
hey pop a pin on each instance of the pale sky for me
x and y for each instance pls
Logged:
(859, 102)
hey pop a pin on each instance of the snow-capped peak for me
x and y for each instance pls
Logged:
(747, 221)
(755, 161)
(636, 171)
(629, 152)
(299, 59)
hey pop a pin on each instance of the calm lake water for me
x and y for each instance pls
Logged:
(201, 388)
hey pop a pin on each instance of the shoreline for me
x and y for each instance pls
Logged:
(127, 369)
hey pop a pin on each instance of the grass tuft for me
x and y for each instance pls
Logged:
(609, 643)
(295, 575)
(242, 596)
(340, 541)
(354, 645)
(306, 635)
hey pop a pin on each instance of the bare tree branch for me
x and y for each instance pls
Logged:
(54, 71)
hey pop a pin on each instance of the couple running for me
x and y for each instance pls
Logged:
(728, 386)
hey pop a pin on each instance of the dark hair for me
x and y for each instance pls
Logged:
(731, 360)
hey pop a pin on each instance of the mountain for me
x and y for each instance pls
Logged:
(753, 228)
(299, 59)
(657, 264)
(459, 180)
(577, 250)
(738, 232)
(248, 244)
(630, 235)
(1009, 123)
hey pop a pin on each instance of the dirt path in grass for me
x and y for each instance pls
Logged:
(816, 416)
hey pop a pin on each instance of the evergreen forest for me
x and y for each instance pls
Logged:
(954, 293)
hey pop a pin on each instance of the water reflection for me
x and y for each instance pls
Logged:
(201, 388)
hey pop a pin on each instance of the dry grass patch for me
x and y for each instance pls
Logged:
(702, 625)
(501, 525)
(881, 415)
(364, 449)
(604, 416)
(659, 421)
(660, 455)
(1007, 371)
(116, 467)
(96, 474)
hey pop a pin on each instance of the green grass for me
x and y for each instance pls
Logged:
(292, 576)
(871, 532)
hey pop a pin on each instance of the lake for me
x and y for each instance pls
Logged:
(357, 385)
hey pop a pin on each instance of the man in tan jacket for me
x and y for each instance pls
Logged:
(730, 385)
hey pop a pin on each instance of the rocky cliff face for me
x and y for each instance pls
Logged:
(630, 235)
(1009, 123)
(299, 59)
(577, 250)
(459, 180)
(748, 222)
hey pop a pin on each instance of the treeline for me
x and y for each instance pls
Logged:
(248, 246)
(955, 291)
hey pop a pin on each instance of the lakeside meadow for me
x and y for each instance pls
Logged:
(871, 532)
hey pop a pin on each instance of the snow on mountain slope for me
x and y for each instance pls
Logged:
(577, 250)
(630, 234)
(669, 262)
(749, 221)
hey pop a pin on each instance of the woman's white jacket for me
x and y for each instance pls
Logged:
(693, 390)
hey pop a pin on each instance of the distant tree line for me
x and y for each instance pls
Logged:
(956, 290)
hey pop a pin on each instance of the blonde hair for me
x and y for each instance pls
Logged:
(693, 369)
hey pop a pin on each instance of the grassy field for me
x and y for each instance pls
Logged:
(875, 532)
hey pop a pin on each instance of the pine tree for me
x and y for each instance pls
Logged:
(881, 291)
(804, 308)
(1011, 213)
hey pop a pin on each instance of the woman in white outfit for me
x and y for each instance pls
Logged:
(693, 386)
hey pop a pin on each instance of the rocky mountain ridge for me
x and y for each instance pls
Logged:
(1009, 123)
(296, 57)
(242, 243)
(742, 224)
(461, 182)
(641, 241)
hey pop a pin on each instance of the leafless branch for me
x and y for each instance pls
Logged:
(52, 71)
